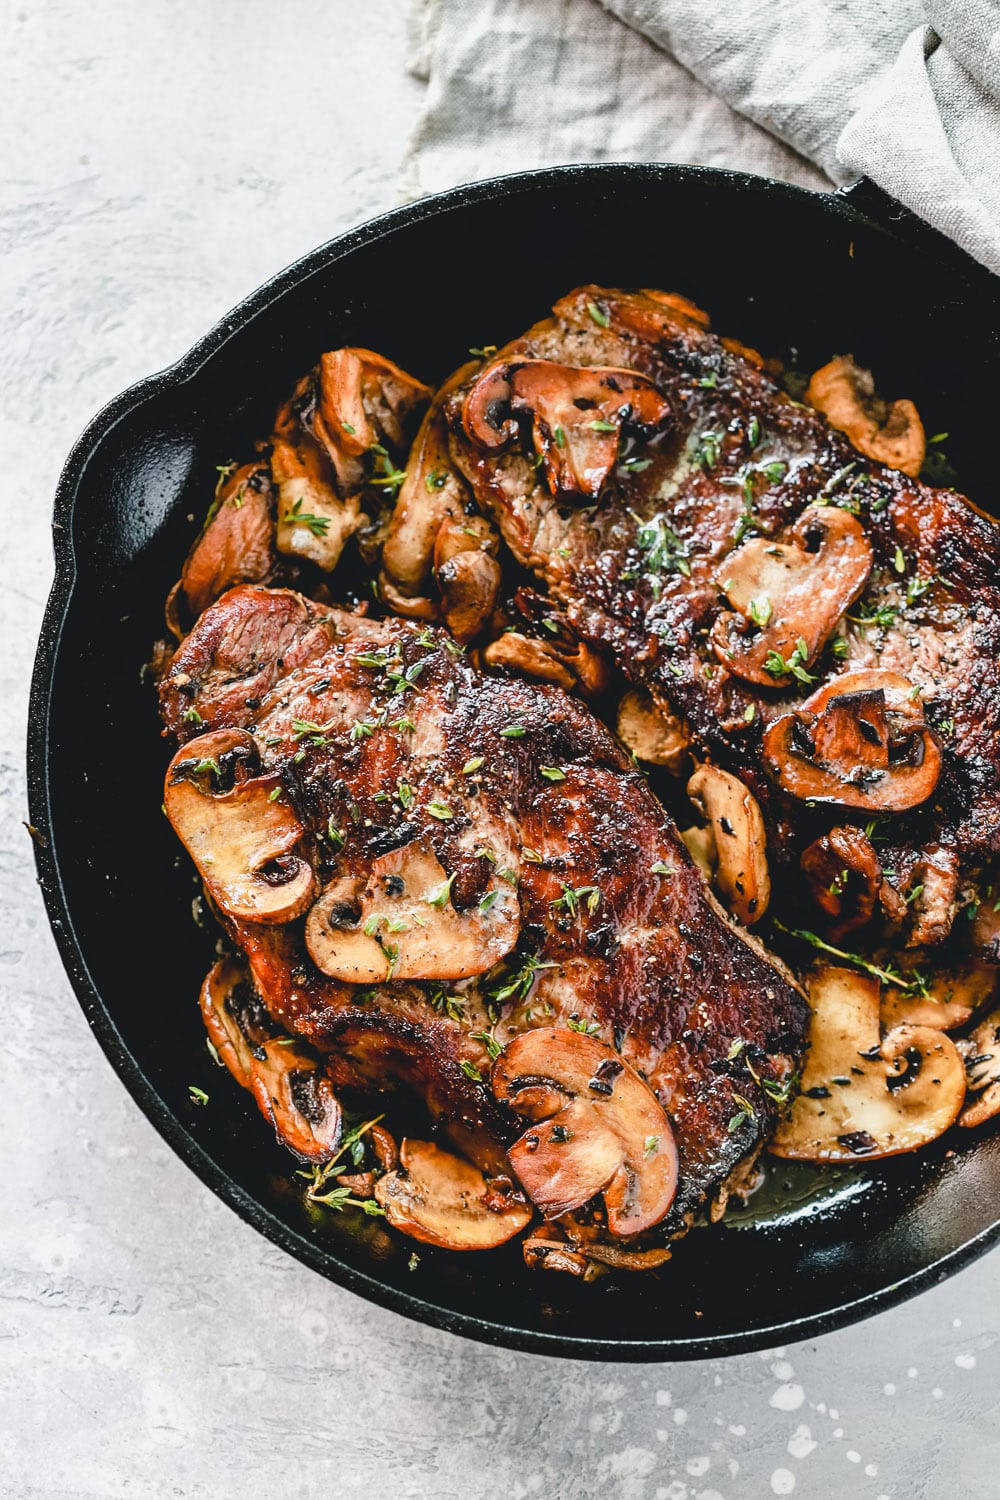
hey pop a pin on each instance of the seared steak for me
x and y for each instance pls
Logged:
(736, 555)
(537, 881)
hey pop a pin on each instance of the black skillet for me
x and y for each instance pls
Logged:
(794, 273)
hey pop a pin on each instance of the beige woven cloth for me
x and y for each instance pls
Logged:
(906, 92)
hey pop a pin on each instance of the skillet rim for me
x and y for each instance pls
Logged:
(871, 211)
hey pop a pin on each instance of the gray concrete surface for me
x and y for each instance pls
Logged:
(158, 162)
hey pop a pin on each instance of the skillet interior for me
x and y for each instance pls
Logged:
(781, 269)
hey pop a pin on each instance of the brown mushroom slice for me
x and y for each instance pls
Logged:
(401, 924)
(981, 1055)
(287, 1081)
(467, 574)
(844, 877)
(237, 543)
(244, 841)
(860, 741)
(650, 313)
(547, 1254)
(950, 999)
(652, 733)
(741, 872)
(561, 659)
(597, 1128)
(789, 594)
(314, 521)
(892, 433)
(432, 493)
(578, 417)
(863, 1095)
(363, 399)
(440, 1199)
(469, 585)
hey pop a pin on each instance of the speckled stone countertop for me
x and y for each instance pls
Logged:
(159, 162)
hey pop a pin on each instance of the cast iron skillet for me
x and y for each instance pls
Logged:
(782, 269)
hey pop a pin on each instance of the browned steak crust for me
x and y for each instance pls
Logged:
(640, 572)
(385, 733)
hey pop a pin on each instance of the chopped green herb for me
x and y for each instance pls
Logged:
(649, 1145)
(753, 431)
(372, 925)
(708, 450)
(273, 796)
(761, 611)
(192, 716)
(560, 437)
(774, 471)
(440, 810)
(335, 836)
(598, 314)
(473, 764)
(777, 666)
(198, 1096)
(749, 713)
(552, 773)
(518, 985)
(470, 1070)
(512, 732)
(586, 1028)
(602, 426)
(487, 902)
(709, 381)
(318, 525)
(485, 352)
(660, 868)
(747, 1112)
(442, 894)
(899, 561)
(404, 795)
(571, 899)
(435, 480)
(488, 1040)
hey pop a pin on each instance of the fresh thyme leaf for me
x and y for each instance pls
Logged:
(489, 1041)
(442, 894)
(273, 796)
(886, 974)
(198, 1096)
(585, 1028)
(435, 480)
(660, 868)
(473, 764)
(649, 1145)
(318, 525)
(192, 716)
(552, 773)
(598, 314)
(440, 810)
(484, 353)
(512, 732)
(470, 1070)
(571, 899)
(749, 712)
(761, 611)
(602, 426)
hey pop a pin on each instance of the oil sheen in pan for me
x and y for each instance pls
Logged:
(793, 1191)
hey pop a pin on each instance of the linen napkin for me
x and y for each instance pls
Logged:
(810, 91)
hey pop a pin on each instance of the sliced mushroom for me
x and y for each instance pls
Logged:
(949, 1000)
(236, 544)
(844, 877)
(244, 841)
(651, 314)
(432, 493)
(287, 1081)
(467, 574)
(860, 741)
(569, 664)
(789, 594)
(362, 401)
(892, 434)
(732, 810)
(442, 1200)
(401, 923)
(981, 1054)
(596, 1128)
(543, 1252)
(700, 844)
(652, 733)
(863, 1095)
(578, 417)
(314, 520)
